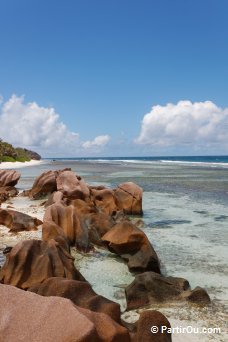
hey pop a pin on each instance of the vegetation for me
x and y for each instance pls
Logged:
(7, 159)
(22, 155)
(8, 153)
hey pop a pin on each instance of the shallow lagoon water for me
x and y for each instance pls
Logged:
(186, 220)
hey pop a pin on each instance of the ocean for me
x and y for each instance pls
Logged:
(185, 203)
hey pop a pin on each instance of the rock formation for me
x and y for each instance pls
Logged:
(129, 198)
(80, 293)
(7, 192)
(30, 317)
(72, 186)
(18, 221)
(150, 287)
(33, 261)
(44, 185)
(66, 218)
(132, 245)
(147, 321)
(9, 177)
(81, 216)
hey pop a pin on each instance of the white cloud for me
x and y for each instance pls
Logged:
(99, 141)
(29, 125)
(195, 125)
(32, 126)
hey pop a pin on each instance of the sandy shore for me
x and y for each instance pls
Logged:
(18, 165)
(26, 206)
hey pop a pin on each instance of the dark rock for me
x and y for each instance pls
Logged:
(150, 287)
(7, 249)
(32, 155)
(197, 296)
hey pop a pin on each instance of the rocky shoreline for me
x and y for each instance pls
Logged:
(82, 216)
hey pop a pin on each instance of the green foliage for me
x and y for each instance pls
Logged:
(10, 154)
(22, 159)
(22, 155)
(8, 159)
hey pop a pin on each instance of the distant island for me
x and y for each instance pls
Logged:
(9, 153)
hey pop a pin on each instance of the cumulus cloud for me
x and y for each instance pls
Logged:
(28, 124)
(32, 126)
(99, 141)
(199, 124)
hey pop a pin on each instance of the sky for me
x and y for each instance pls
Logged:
(82, 78)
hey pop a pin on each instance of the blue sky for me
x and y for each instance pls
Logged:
(102, 65)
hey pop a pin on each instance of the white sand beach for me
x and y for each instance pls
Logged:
(18, 165)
